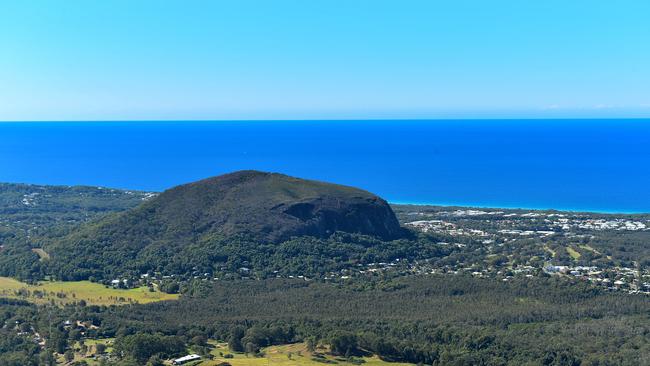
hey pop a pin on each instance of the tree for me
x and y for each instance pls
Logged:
(25, 327)
(142, 346)
(69, 355)
(155, 361)
(74, 335)
(199, 340)
(47, 359)
(234, 342)
(344, 344)
(58, 342)
(311, 344)
(251, 348)
(170, 287)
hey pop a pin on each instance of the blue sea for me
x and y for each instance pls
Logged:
(587, 165)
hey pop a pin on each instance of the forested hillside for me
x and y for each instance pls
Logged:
(33, 209)
(32, 214)
(216, 225)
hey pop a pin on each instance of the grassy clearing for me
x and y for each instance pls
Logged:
(90, 356)
(286, 355)
(41, 254)
(589, 248)
(67, 292)
(92, 343)
(550, 251)
(9, 284)
(573, 253)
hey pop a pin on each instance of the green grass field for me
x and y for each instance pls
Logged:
(286, 355)
(67, 292)
(589, 248)
(573, 253)
(550, 250)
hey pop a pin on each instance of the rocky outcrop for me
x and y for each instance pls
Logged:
(275, 207)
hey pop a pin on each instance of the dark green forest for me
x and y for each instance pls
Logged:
(422, 319)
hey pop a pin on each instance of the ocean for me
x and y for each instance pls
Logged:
(585, 165)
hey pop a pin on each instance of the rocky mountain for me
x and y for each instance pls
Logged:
(272, 207)
(206, 216)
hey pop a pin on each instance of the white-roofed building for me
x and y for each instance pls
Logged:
(185, 359)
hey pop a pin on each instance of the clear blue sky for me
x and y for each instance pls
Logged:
(90, 60)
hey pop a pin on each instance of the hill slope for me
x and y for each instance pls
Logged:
(31, 213)
(272, 207)
(33, 209)
(264, 208)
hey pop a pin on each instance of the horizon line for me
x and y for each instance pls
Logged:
(329, 119)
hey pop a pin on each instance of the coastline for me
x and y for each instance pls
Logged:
(518, 208)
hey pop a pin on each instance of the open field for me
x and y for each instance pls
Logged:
(589, 248)
(284, 355)
(288, 355)
(549, 250)
(573, 253)
(67, 292)
(43, 255)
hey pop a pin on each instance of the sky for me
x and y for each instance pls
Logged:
(323, 59)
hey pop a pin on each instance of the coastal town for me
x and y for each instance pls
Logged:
(530, 243)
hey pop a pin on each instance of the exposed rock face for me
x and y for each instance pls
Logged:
(273, 207)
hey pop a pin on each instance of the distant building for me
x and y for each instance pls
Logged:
(186, 359)
(555, 269)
